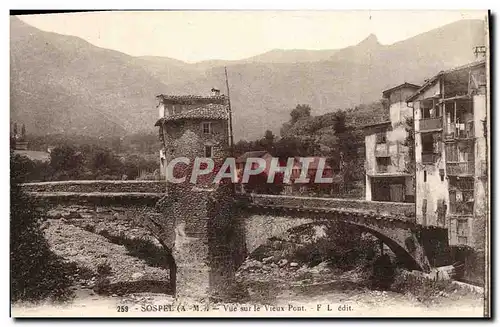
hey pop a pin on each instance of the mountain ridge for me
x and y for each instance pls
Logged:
(77, 87)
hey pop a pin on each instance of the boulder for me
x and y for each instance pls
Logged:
(251, 264)
(322, 267)
(137, 275)
(267, 259)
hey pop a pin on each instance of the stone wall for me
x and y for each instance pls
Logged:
(48, 199)
(97, 186)
(187, 139)
(203, 239)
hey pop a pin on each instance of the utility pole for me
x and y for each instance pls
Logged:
(231, 139)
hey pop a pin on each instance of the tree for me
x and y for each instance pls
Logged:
(301, 111)
(346, 150)
(410, 143)
(269, 136)
(66, 162)
(30, 170)
(36, 273)
(340, 122)
(23, 133)
(268, 141)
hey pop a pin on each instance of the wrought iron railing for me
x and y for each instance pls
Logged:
(460, 168)
(458, 131)
(429, 158)
(382, 150)
(461, 208)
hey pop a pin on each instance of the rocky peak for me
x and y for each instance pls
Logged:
(369, 42)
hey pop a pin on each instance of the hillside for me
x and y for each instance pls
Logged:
(79, 88)
(64, 84)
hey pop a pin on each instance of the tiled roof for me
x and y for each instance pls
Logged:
(431, 81)
(250, 154)
(401, 86)
(192, 99)
(209, 111)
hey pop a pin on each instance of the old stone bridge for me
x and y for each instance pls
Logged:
(208, 237)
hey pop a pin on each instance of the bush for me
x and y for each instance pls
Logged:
(423, 289)
(342, 246)
(89, 228)
(36, 272)
(104, 269)
(30, 171)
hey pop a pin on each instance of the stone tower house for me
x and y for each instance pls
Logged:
(193, 126)
(197, 217)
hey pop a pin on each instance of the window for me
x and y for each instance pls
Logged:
(425, 176)
(462, 231)
(207, 127)
(430, 109)
(177, 108)
(381, 138)
(383, 163)
(431, 147)
(208, 151)
(430, 143)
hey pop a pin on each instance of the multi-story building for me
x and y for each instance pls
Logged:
(389, 175)
(451, 153)
(193, 126)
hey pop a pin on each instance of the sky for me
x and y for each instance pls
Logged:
(194, 36)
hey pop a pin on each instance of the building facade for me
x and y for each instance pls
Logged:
(193, 126)
(450, 112)
(389, 175)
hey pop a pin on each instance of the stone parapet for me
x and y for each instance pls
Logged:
(105, 186)
(97, 198)
(382, 208)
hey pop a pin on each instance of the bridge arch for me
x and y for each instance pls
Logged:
(402, 241)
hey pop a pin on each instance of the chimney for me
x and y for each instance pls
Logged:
(215, 92)
(480, 51)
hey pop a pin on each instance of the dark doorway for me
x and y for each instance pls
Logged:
(390, 189)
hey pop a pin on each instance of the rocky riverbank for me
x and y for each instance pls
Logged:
(306, 271)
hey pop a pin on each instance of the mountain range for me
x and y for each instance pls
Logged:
(64, 84)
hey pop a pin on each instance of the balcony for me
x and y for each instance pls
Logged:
(462, 208)
(382, 169)
(430, 158)
(429, 124)
(382, 150)
(465, 168)
(484, 168)
(459, 131)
